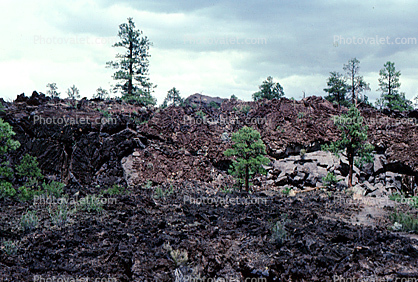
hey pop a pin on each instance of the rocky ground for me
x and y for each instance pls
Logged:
(178, 200)
(128, 240)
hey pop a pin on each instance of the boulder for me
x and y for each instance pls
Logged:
(369, 187)
(378, 164)
(358, 189)
(393, 179)
(281, 180)
(380, 191)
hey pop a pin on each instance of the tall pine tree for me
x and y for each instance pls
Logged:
(389, 85)
(337, 89)
(357, 84)
(132, 66)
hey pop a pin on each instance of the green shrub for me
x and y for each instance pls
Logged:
(115, 190)
(29, 221)
(397, 197)
(330, 179)
(286, 190)
(91, 203)
(148, 185)
(400, 198)
(301, 115)
(302, 152)
(160, 193)
(414, 202)
(214, 105)
(29, 190)
(6, 190)
(278, 231)
(408, 223)
(245, 109)
(60, 215)
(53, 189)
(26, 193)
(9, 247)
(226, 190)
(6, 144)
(201, 114)
(179, 257)
(105, 113)
(28, 167)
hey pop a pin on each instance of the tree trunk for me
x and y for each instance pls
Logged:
(130, 86)
(350, 157)
(247, 176)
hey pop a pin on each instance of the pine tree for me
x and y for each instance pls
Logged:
(249, 151)
(6, 144)
(172, 98)
(389, 85)
(337, 89)
(269, 90)
(357, 84)
(132, 66)
(353, 140)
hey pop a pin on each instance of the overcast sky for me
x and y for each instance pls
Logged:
(217, 48)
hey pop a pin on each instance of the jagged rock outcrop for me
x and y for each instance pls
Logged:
(135, 144)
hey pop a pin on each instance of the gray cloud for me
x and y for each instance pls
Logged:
(297, 40)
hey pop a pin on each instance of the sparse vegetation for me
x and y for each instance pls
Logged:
(201, 114)
(29, 221)
(116, 189)
(9, 247)
(54, 188)
(53, 90)
(214, 105)
(330, 179)
(286, 190)
(105, 113)
(245, 109)
(406, 222)
(148, 185)
(73, 92)
(278, 231)
(401, 198)
(7, 144)
(101, 94)
(226, 190)
(60, 215)
(26, 192)
(91, 203)
(179, 257)
(161, 193)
